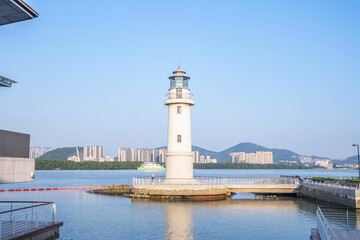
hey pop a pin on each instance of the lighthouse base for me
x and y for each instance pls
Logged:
(195, 193)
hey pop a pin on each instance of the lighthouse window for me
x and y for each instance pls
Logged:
(178, 109)
(179, 138)
(178, 81)
(185, 83)
(172, 82)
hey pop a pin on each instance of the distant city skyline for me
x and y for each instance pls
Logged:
(280, 74)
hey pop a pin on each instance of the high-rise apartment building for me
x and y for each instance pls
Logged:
(93, 153)
(260, 157)
(141, 155)
(124, 155)
(196, 156)
(36, 152)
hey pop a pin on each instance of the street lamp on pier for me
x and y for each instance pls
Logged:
(357, 145)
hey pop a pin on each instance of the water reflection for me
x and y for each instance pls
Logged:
(235, 218)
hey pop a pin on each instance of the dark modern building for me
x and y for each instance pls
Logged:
(15, 164)
(12, 11)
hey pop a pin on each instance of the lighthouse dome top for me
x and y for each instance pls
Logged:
(179, 73)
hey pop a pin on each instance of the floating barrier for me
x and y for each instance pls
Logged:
(63, 188)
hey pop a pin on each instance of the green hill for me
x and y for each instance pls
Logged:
(62, 153)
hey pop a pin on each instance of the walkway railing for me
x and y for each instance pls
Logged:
(20, 217)
(215, 181)
(324, 228)
(330, 220)
(333, 183)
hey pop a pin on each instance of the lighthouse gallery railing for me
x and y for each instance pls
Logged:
(179, 96)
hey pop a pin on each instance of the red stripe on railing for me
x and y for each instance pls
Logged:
(55, 188)
(26, 189)
(33, 189)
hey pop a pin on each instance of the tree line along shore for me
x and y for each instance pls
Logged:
(43, 164)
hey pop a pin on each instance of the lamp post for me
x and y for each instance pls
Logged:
(357, 145)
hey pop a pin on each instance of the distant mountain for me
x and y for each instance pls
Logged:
(349, 160)
(222, 157)
(62, 153)
(279, 154)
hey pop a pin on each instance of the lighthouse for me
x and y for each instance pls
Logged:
(179, 157)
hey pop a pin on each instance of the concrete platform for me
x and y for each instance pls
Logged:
(181, 190)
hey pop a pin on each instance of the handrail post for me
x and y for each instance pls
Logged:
(26, 221)
(46, 211)
(37, 213)
(14, 218)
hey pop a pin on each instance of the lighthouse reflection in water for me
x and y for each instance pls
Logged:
(228, 219)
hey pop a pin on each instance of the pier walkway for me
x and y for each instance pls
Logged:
(230, 184)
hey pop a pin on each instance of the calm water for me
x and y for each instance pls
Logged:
(89, 216)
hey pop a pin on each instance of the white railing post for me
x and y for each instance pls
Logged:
(14, 219)
(26, 220)
(54, 212)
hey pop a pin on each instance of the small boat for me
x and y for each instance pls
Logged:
(151, 166)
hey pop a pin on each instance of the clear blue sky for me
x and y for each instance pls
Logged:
(282, 74)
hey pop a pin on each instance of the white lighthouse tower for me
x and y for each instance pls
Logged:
(179, 157)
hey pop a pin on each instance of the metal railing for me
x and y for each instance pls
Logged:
(179, 96)
(214, 181)
(333, 183)
(324, 229)
(332, 219)
(20, 217)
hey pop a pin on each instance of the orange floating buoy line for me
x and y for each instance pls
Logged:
(63, 188)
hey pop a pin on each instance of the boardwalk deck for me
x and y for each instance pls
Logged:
(23, 230)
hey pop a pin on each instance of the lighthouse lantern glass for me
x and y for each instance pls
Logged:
(178, 82)
(172, 82)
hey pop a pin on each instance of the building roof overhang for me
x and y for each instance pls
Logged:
(5, 82)
(15, 11)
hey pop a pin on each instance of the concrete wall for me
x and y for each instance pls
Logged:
(16, 170)
(13, 144)
(332, 194)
